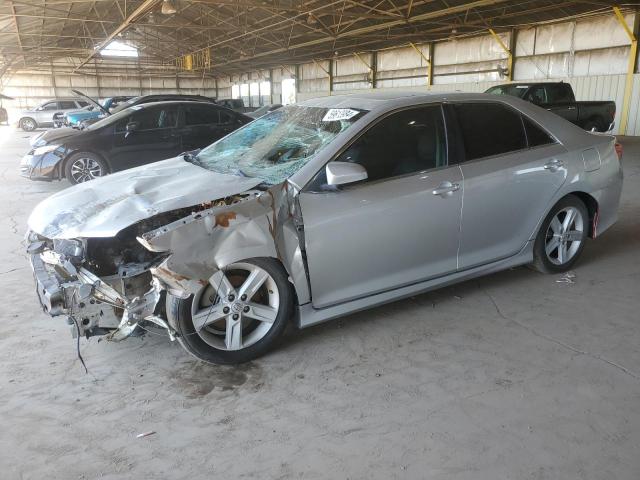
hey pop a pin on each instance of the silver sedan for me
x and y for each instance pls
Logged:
(318, 210)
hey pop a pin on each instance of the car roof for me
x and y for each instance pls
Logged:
(386, 100)
(180, 102)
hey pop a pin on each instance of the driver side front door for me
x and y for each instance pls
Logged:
(398, 227)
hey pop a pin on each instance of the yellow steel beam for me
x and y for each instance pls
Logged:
(362, 60)
(628, 86)
(507, 51)
(429, 66)
(322, 68)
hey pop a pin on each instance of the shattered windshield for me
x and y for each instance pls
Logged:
(277, 145)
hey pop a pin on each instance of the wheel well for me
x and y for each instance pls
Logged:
(596, 119)
(592, 207)
(63, 164)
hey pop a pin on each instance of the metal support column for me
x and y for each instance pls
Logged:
(328, 72)
(428, 60)
(631, 68)
(508, 51)
(371, 71)
(330, 76)
(271, 86)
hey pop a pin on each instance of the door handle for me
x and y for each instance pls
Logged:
(553, 165)
(571, 108)
(446, 188)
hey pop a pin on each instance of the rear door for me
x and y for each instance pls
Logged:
(560, 100)
(201, 125)
(512, 168)
(44, 114)
(156, 137)
(398, 227)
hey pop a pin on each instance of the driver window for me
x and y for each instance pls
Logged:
(50, 106)
(151, 118)
(538, 95)
(406, 142)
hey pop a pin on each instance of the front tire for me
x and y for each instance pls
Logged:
(238, 316)
(562, 236)
(84, 166)
(28, 124)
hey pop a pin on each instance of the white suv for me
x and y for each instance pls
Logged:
(42, 115)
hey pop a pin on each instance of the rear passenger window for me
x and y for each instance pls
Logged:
(226, 117)
(64, 105)
(200, 115)
(559, 93)
(403, 143)
(536, 136)
(489, 129)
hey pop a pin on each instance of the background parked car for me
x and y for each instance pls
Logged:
(235, 104)
(558, 97)
(264, 110)
(73, 118)
(42, 115)
(132, 137)
(132, 101)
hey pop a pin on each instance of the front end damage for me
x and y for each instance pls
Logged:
(111, 286)
(103, 286)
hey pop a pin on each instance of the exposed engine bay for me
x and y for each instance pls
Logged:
(105, 285)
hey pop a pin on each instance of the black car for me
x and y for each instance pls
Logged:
(132, 101)
(131, 137)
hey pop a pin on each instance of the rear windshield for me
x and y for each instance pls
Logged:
(513, 90)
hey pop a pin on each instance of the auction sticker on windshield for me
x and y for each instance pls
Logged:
(335, 114)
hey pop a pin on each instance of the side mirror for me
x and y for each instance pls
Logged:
(132, 126)
(341, 173)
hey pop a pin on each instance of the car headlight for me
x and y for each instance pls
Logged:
(45, 149)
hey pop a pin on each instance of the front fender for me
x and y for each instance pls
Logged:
(257, 224)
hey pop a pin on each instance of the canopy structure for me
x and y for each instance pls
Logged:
(229, 36)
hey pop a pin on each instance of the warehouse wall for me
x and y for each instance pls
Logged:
(30, 88)
(591, 54)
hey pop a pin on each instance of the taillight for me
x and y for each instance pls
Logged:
(618, 148)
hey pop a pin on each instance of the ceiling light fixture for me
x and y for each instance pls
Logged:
(168, 8)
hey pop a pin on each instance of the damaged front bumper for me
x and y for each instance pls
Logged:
(93, 305)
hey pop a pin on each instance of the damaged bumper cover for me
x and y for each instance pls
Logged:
(93, 305)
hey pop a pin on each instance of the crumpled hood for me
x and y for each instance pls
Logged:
(103, 207)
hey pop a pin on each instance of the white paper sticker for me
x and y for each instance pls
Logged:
(335, 114)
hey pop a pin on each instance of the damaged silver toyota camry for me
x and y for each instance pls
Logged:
(318, 210)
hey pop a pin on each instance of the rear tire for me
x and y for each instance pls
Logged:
(84, 166)
(562, 236)
(230, 326)
(593, 123)
(28, 124)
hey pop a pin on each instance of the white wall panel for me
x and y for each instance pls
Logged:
(351, 65)
(402, 58)
(601, 32)
(553, 38)
(470, 50)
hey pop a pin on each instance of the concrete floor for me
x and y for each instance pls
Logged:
(512, 376)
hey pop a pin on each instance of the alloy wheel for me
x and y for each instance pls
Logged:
(237, 308)
(28, 124)
(564, 235)
(84, 169)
